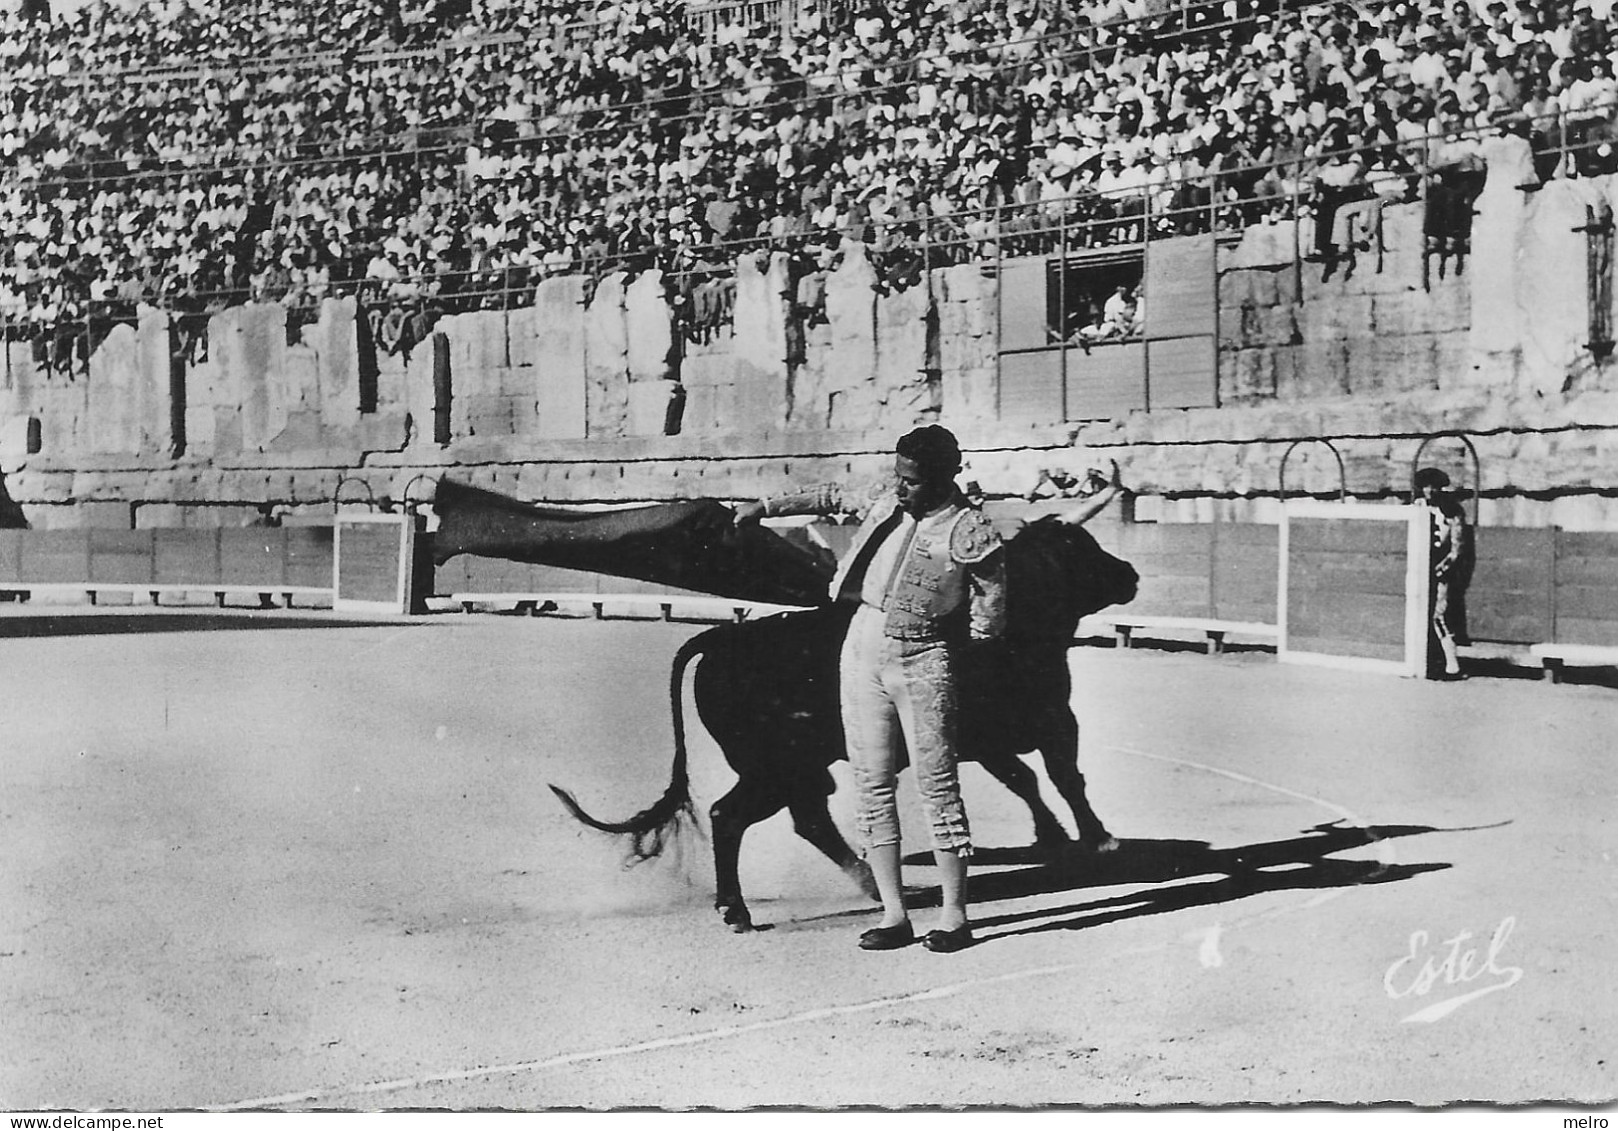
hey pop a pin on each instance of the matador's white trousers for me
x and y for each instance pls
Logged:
(900, 695)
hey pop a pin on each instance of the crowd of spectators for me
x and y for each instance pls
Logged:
(199, 153)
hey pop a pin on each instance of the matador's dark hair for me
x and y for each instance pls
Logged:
(934, 448)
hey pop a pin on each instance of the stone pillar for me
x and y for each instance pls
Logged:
(762, 382)
(606, 360)
(324, 367)
(653, 387)
(968, 349)
(1499, 231)
(1550, 313)
(558, 352)
(848, 396)
(906, 354)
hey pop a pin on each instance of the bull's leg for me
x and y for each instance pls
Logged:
(1013, 773)
(812, 821)
(732, 815)
(1060, 751)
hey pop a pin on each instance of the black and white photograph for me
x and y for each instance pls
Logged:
(987, 557)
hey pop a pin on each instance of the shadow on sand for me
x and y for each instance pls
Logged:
(1297, 863)
(124, 624)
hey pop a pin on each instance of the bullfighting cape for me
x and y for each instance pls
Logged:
(691, 544)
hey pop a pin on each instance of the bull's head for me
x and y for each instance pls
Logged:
(1057, 573)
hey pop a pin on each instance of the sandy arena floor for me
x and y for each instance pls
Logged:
(282, 861)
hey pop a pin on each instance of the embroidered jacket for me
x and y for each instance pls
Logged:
(1452, 553)
(953, 572)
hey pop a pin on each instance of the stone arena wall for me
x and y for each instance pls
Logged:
(573, 399)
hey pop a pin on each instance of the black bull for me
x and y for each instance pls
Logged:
(767, 691)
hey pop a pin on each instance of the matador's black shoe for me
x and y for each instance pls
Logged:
(888, 938)
(948, 942)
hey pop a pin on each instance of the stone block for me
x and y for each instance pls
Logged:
(759, 345)
(759, 313)
(1500, 234)
(851, 315)
(1265, 287)
(1237, 326)
(806, 409)
(1312, 370)
(1402, 245)
(1551, 294)
(907, 406)
(1265, 245)
(487, 416)
(852, 408)
(556, 383)
(709, 408)
(649, 324)
(970, 298)
(482, 342)
(304, 375)
(1276, 325)
(1420, 369)
(905, 354)
(522, 335)
(1453, 363)
(1369, 360)
(651, 405)
(1235, 288)
(1390, 364)
(710, 385)
(968, 396)
(121, 403)
(334, 342)
(606, 360)
(1342, 316)
(1247, 375)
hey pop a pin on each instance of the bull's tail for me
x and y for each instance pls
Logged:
(652, 828)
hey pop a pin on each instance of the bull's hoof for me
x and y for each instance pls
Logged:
(736, 917)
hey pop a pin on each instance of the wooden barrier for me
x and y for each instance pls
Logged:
(1585, 597)
(1354, 586)
(1512, 596)
(267, 562)
(1213, 580)
(372, 565)
(472, 582)
(1584, 603)
(1554, 592)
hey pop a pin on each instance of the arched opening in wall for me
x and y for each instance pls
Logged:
(442, 389)
(674, 414)
(11, 517)
(179, 355)
(365, 363)
(33, 439)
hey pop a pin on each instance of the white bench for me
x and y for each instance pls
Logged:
(154, 590)
(1553, 657)
(1124, 626)
(694, 607)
